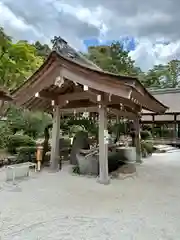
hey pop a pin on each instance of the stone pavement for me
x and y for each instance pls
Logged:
(55, 206)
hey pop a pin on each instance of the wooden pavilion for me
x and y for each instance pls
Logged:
(67, 81)
(171, 98)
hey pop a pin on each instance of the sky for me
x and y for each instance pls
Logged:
(148, 29)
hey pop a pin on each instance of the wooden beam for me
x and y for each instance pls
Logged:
(125, 102)
(124, 114)
(115, 112)
(77, 96)
(119, 90)
(79, 110)
(48, 95)
(74, 96)
(43, 81)
(109, 99)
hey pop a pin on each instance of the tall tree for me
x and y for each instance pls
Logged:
(154, 77)
(163, 76)
(43, 50)
(172, 74)
(5, 40)
(113, 59)
(18, 61)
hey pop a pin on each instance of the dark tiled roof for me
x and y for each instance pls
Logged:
(63, 48)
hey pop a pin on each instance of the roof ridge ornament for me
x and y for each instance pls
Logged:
(62, 47)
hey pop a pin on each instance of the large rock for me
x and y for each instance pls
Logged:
(80, 141)
(88, 165)
(127, 154)
(88, 162)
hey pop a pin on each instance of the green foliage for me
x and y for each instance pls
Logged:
(72, 125)
(112, 58)
(43, 50)
(166, 132)
(26, 149)
(146, 148)
(115, 59)
(4, 133)
(76, 170)
(119, 128)
(31, 123)
(26, 154)
(163, 76)
(17, 61)
(34, 123)
(17, 140)
(146, 135)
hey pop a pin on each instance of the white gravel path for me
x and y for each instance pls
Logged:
(60, 206)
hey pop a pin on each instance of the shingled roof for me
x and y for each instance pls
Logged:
(66, 60)
(64, 49)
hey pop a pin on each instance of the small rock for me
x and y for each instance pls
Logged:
(127, 169)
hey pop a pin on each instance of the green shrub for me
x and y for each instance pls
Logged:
(146, 148)
(146, 135)
(166, 132)
(17, 140)
(26, 154)
(4, 133)
(76, 169)
(26, 149)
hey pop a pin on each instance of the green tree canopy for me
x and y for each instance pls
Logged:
(112, 58)
(43, 50)
(17, 61)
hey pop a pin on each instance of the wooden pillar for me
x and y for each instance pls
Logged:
(137, 140)
(55, 140)
(153, 120)
(175, 127)
(103, 147)
(178, 128)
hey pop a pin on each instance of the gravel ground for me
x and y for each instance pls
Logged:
(59, 206)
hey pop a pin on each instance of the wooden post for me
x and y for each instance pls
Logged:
(103, 147)
(153, 120)
(175, 128)
(137, 140)
(55, 140)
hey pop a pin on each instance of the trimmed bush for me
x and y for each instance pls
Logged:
(26, 154)
(17, 140)
(26, 149)
(146, 148)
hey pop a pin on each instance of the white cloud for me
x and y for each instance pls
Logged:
(148, 53)
(151, 23)
(15, 26)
